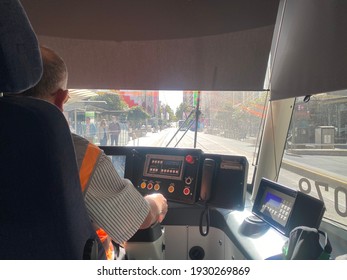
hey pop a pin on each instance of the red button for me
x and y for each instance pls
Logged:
(189, 159)
(186, 191)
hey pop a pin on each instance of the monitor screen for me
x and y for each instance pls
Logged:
(274, 204)
(119, 164)
(277, 206)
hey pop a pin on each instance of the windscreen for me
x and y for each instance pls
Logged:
(217, 122)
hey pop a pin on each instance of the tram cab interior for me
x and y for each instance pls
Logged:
(222, 205)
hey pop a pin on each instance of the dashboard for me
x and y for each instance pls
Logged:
(186, 176)
(193, 181)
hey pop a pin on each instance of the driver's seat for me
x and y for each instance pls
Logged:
(42, 211)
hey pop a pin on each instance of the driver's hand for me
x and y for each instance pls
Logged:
(161, 205)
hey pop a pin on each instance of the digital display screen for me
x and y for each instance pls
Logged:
(277, 206)
(171, 164)
(164, 166)
(273, 200)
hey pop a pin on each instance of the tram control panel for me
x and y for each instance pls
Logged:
(184, 175)
(175, 176)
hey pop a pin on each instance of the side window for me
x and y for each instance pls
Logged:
(315, 157)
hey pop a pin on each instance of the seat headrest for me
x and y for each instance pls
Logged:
(20, 59)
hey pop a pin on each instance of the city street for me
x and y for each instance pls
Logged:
(331, 166)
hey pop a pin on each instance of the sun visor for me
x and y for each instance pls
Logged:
(309, 48)
(20, 59)
(233, 61)
(159, 45)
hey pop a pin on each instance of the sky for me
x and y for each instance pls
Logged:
(172, 98)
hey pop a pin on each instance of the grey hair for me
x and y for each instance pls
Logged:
(54, 73)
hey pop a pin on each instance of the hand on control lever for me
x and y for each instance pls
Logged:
(161, 202)
(159, 208)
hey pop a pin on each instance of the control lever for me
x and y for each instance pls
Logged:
(147, 243)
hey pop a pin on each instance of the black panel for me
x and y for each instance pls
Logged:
(284, 208)
(179, 174)
(307, 211)
(230, 181)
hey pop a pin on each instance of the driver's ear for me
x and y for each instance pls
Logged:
(60, 98)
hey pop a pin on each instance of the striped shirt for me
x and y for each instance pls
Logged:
(113, 203)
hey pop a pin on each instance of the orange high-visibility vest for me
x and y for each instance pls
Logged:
(87, 167)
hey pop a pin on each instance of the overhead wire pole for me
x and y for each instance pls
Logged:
(179, 128)
(188, 127)
(197, 114)
(190, 123)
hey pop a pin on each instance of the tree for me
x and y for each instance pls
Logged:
(170, 112)
(113, 100)
(182, 108)
(137, 116)
(238, 121)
